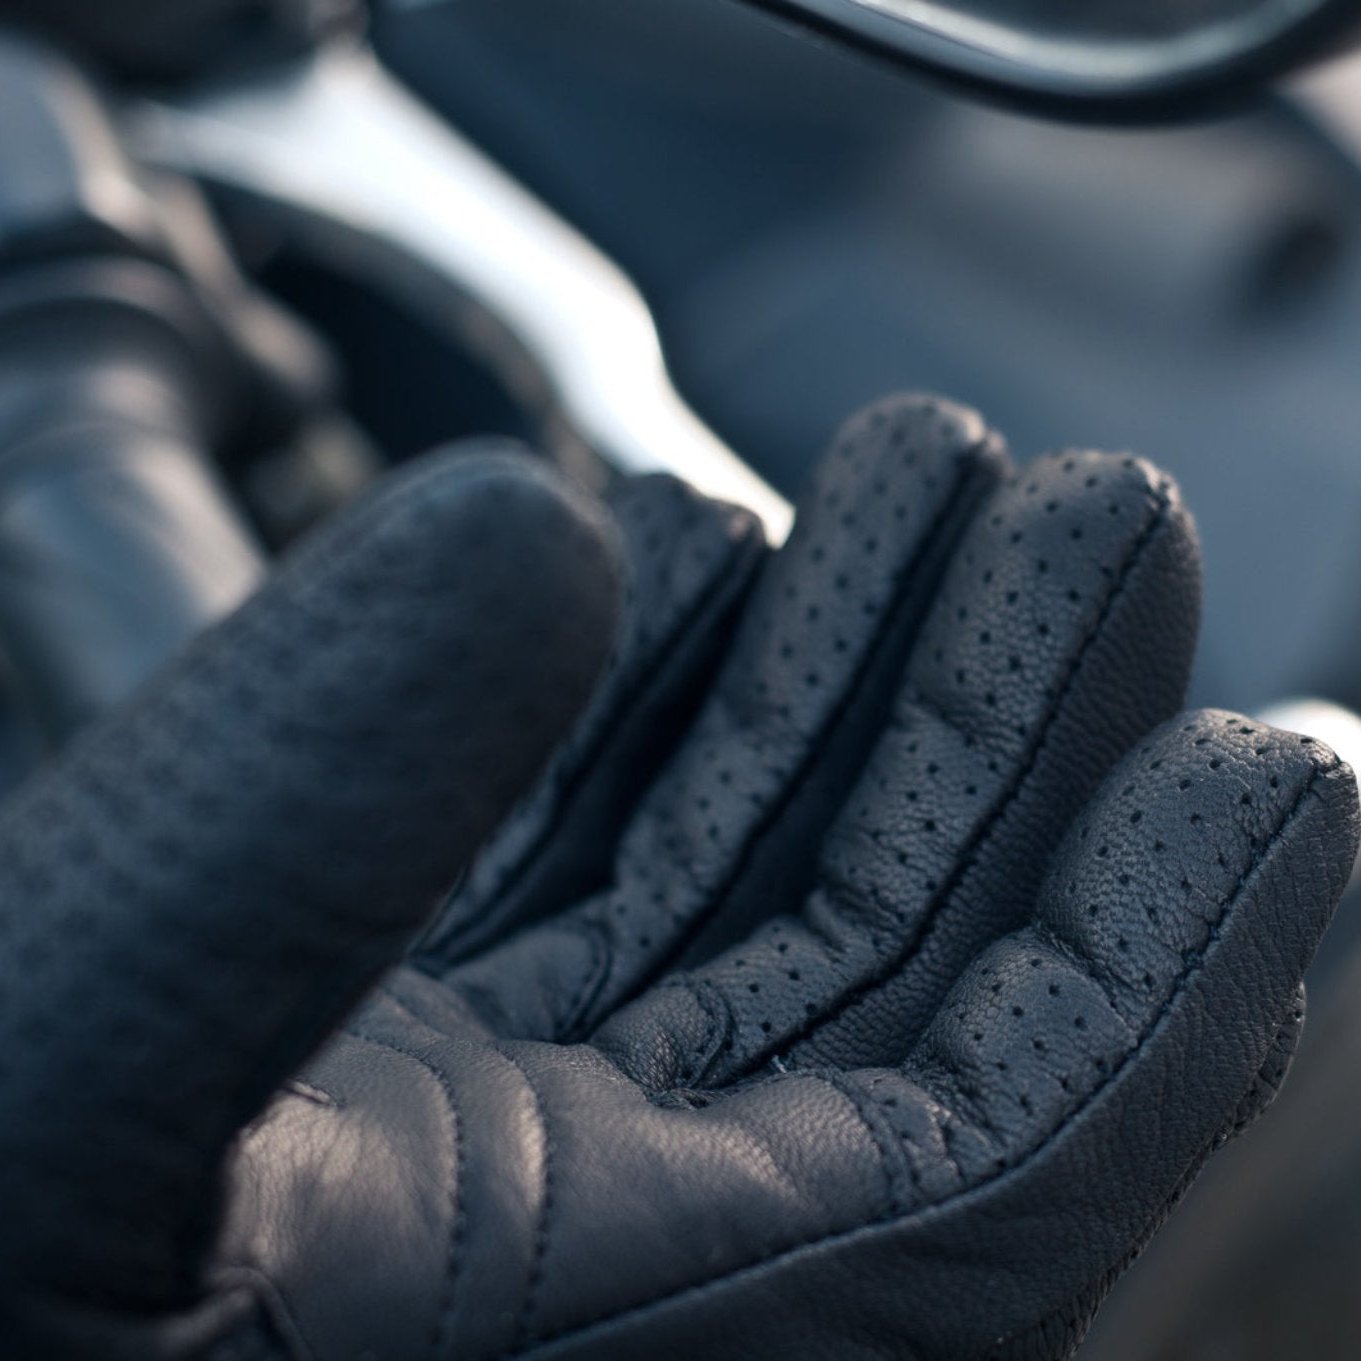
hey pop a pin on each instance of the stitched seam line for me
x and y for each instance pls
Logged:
(594, 752)
(966, 859)
(524, 1321)
(443, 1327)
(971, 480)
(838, 1083)
(593, 932)
(719, 1017)
(998, 1351)
(818, 1240)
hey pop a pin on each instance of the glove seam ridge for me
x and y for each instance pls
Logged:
(1162, 503)
(597, 941)
(523, 1332)
(721, 585)
(889, 1164)
(1310, 787)
(442, 1329)
(970, 478)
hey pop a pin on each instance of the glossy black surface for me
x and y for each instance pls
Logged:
(1105, 59)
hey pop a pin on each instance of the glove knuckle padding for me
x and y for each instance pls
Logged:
(1062, 631)
(1074, 1079)
(736, 817)
(203, 886)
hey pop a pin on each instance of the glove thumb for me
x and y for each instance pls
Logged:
(206, 883)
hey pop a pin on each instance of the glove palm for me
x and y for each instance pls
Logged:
(878, 1001)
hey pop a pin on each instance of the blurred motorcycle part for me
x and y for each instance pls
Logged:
(162, 40)
(338, 155)
(133, 358)
(1109, 58)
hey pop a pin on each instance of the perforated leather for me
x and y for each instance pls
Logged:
(208, 882)
(890, 1019)
(691, 563)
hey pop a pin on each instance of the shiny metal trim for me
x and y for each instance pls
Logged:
(350, 158)
(1330, 95)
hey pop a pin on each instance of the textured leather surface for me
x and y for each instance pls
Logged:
(203, 887)
(866, 978)
(691, 563)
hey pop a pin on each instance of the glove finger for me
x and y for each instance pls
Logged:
(737, 816)
(690, 562)
(1076, 1078)
(205, 883)
(1062, 633)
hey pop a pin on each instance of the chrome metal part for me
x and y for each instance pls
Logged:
(358, 167)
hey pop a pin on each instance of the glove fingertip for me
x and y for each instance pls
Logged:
(216, 874)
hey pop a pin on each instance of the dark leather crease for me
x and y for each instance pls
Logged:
(942, 897)
(1016, 1171)
(591, 745)
(891, 627)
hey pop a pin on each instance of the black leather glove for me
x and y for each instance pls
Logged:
(876, 999)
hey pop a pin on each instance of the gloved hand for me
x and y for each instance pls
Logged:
(876, 999)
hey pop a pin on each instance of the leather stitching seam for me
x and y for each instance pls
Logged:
(821, 1239)
(525, 1319)
(443, 1327)
(1162, 504)
(684, 629)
